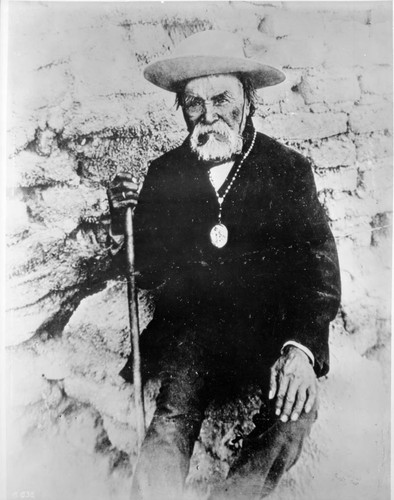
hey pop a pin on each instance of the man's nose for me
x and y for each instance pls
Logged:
(209, 114)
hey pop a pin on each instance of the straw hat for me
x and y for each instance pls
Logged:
(209, 53)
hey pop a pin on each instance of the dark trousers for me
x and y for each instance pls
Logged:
(196, 369)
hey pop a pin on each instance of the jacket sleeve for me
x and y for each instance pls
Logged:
(313, 291)
(150, 250)
(150, 219)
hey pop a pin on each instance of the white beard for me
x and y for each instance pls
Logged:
(216, 142)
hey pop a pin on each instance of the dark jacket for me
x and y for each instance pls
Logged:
(278, 274)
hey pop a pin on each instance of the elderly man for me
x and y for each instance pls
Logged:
(229, 229)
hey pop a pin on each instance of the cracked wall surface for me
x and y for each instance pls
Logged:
(80, 111)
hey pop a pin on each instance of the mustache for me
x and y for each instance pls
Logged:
(202, 132)
(215, 141)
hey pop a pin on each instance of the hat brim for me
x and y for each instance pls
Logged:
(172, 74)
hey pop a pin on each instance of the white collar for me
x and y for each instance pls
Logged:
(219, 173)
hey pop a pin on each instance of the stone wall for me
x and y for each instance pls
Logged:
(79, 111)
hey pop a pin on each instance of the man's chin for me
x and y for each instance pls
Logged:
(212, 157)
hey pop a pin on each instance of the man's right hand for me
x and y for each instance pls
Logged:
(122, 193)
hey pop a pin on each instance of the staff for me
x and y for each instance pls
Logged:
(134, 327)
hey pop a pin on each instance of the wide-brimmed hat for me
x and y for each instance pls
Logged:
(209, 53)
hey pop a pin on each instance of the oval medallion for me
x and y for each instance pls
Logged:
(219, 235)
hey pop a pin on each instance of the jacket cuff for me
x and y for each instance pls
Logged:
(307, 351)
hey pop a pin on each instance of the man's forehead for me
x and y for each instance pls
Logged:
(205, 86)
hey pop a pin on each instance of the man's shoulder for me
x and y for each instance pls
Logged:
(279, 154)
(169, 159)
(165, 172)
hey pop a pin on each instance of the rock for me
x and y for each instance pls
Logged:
(48, 300)
(56, 470)
(293, 52)
(32, 170)
(364, 119)
(21, 131)
(360, 45)
(377, 80)
(64, 207)
(82, 427)
(27, 386)
(333, 152)
(304, 125)
(104, 318)
(121, 435)
(45, 141)
(376, 179)
(342, 179)
(373, 146)
(329, 86)
(104, 397)
(19, 222)
(120, 67)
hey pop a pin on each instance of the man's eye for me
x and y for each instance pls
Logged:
(193, 103)
(219, 100)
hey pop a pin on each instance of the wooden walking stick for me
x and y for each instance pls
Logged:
(134, 327)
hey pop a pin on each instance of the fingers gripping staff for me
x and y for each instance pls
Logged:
(122, 193)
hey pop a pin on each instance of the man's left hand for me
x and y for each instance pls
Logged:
(293, 382)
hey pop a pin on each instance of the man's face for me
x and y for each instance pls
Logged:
(215, 109)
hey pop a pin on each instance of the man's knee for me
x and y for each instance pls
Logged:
(173, 432)
(164, 458)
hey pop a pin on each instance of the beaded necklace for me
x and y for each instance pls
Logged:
(219, 232)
